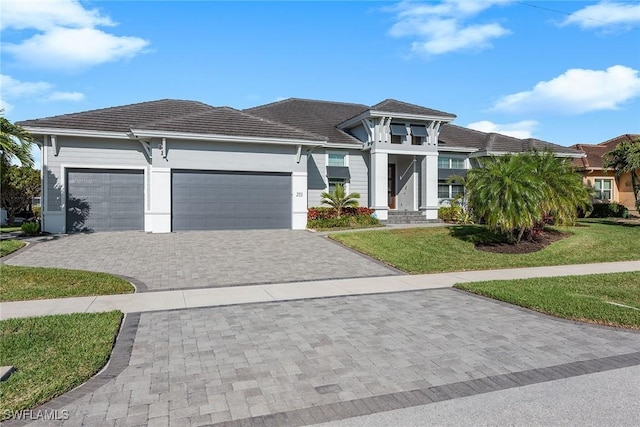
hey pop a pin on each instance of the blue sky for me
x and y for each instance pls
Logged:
(562, 71)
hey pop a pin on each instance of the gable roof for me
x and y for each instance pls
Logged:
(318, 117)
(595, 152)
(173, 115)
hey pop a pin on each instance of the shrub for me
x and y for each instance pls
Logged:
(345, 221)
(609, 210)
(448, 213)
(37, 211)
(329, 213)
(30, 228)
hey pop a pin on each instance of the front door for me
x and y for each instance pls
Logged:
(391, 187)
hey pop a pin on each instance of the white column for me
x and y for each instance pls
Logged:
(431, 186)
(299, 200)
(378, 183)
(160, 213)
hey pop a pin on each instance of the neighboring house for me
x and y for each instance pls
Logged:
(173, 165)
(608, 188)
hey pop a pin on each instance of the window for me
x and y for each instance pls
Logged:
(334, 181)
(450, 163)
(603, 189)
(336, 159)
(418, 134)
(449, 191)
(398, 133)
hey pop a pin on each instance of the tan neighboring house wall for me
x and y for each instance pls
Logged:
(591, 168)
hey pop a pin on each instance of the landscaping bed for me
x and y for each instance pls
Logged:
(539, 242)
(606, 299)
(52, 355)
(31, 283)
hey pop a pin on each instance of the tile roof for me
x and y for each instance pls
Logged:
(122, 118)
(173, 116)
(460, 137)
(319, 117)
(228, 121)
(394, 106)
(596, 152)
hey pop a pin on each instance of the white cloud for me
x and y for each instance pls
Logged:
(5, 107)
(522, 129)
(13, 89)
(442, 27)
(577, 91)
(66, 96)
(47, 14)
(606, 15)
(65, 48)
(67, 37)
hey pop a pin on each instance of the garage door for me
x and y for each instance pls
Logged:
(105, 200)
(207, 200)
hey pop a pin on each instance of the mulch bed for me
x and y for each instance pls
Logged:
(524, 247)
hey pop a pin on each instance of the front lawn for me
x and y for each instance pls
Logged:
(8, 229)
(443, 249)
(30, 283)
(584, 298)
(8, 246)
(52, 355)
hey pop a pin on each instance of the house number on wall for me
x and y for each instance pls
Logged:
(299, 194)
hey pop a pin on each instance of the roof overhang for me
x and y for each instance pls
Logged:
(142, 133)
(447, 148)
(404, 116)
(75, 132)
(487, 153)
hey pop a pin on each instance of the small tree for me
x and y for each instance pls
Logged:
(19, 186)
(625, 158)
(339, 200)
(15, 143)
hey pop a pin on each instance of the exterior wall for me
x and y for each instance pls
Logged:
(204, 155)
(78, 152)
(317, 174)
(359, 132)
(621, 188)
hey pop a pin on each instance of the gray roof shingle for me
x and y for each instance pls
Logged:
(319, 117)
(174, 116)
(394, 106)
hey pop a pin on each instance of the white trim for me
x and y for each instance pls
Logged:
(380, 113)
(346, 146)
(405, 152)
(140, 133)
(75, 132)
(445, 148)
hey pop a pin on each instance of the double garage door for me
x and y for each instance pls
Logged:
(103, 200)
(221, 200)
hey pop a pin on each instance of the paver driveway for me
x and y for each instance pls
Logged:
(204, 258)
(301, 362)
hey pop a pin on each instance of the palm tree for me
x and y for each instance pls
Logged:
(625, 158)
(563, 191)
(15, 142)
(506, 194)
(339, 200)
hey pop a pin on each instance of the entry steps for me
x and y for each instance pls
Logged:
(409, 217)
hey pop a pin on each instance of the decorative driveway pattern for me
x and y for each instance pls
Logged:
(202, 259)
(246, 362)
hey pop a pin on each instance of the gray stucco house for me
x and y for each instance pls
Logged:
(171, 165)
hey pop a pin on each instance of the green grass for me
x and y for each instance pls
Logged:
(29, 283)
(442, 249)
(583, 298)
(8, 246)
(10, 229)
(52, 355)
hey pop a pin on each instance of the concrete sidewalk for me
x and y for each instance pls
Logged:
(213, 297)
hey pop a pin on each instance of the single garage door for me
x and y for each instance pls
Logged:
(105, 200)
(216, 200)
